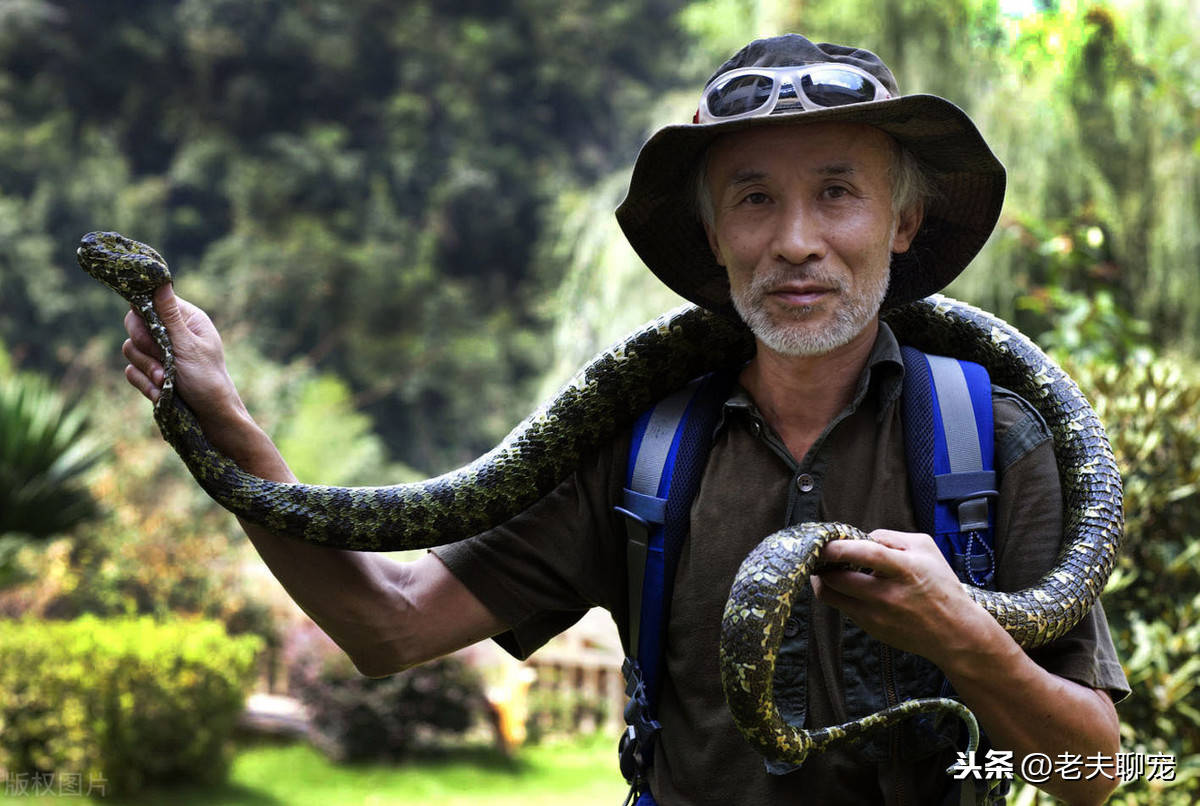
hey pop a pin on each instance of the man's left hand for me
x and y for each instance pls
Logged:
(911, 599)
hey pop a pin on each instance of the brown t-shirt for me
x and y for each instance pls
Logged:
(543, 569)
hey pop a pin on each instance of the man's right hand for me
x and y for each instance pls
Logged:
(201, 377)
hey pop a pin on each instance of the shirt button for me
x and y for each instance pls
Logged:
(756, 428)
(805, 483)
(791, 627)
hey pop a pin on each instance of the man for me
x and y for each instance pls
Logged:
(806, 199)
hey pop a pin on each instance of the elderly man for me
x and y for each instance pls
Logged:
(807, 195)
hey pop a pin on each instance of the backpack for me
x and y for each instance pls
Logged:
(946, 411)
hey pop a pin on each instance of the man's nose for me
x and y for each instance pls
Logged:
(798, 236)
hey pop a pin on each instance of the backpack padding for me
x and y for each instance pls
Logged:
(917, 415)
(950, 446)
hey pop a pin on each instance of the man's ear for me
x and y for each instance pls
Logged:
(711, 234)
(908, 223)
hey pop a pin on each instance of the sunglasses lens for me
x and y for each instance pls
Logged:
(831, 86)
(739, 95)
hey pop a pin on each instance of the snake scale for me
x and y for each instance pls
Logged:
(603, 398)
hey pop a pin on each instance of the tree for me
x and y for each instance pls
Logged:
(366, 183)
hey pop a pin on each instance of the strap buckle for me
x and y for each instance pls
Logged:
(636, 748)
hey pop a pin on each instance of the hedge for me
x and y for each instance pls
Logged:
(356, 718)
(131, 701)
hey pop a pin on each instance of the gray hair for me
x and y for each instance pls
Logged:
(912, 182)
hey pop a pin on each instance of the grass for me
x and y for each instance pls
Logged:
(560, 773)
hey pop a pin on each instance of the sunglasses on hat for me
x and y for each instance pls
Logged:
(755, 91)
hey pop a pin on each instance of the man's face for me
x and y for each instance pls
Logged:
(803, 224)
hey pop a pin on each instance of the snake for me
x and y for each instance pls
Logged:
(604, 397)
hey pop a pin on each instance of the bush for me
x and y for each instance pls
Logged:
(133, 701)
(1152, 412)
(356, 718)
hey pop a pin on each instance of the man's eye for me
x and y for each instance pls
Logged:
(755, 198)
(836, 191)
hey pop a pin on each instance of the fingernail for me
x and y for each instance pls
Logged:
(154, 394)
(158, 377)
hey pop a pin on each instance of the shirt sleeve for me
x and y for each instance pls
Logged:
(542, 570)
(1029, 534)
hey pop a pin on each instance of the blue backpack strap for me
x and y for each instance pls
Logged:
(668, 452)
(950, 445)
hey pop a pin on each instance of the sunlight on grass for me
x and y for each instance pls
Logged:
(551, 774)
(559, 773)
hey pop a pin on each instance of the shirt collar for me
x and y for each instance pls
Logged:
(882, 376)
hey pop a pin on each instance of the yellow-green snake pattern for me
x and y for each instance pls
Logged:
(604, 398)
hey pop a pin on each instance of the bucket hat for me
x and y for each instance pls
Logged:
(659, 215)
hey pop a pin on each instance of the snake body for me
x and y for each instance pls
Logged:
(603, 398)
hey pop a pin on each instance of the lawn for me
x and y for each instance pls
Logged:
(564, 774)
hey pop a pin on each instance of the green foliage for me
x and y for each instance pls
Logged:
(159, 545)
(325, 441)
(132, 700)
(567, 773)
(356, 718)
(156, 545)
(1093, 108)
(46, 447)
(605, 291)
(1152, 413)
(365, 183)
(1074, 311)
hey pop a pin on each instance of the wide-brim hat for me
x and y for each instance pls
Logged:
(660, 218)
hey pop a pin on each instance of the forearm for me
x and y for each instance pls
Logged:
(348, 594)
(351, 595)
(1026, 709)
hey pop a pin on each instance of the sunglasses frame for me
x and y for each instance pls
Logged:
(779, 76)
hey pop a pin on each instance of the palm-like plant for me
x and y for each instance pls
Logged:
(45, 449)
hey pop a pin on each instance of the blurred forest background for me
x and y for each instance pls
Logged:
(399, 214)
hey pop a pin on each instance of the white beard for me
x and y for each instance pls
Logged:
(792, 333)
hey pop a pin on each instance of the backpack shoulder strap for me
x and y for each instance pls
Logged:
(950, 448)
(668, 452)
(653, 452)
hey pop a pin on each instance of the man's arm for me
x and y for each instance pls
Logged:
(914, 602)
(384, 614)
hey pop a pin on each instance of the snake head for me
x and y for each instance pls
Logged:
(128, 267)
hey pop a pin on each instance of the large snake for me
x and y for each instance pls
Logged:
(603, 398)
